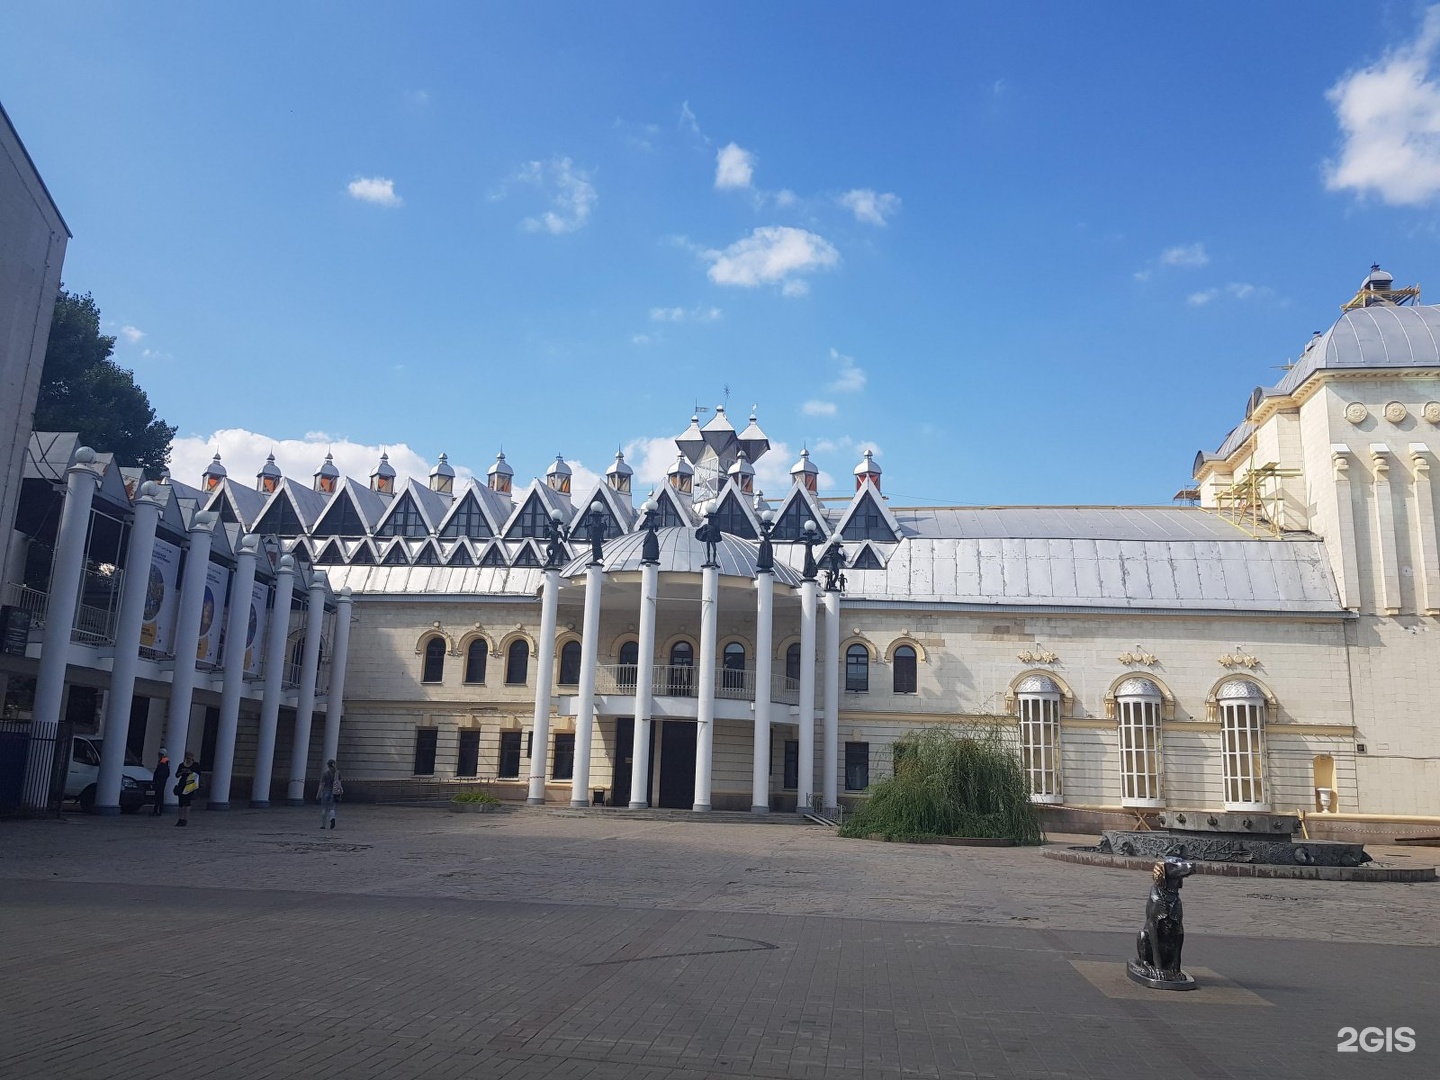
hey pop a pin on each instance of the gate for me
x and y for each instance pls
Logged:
(16, 737)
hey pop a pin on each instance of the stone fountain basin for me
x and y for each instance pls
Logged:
(1234, 848)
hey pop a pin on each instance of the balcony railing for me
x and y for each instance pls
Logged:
(31, 601)
(677, 680)
(95, 613)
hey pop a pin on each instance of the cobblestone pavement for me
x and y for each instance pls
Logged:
(413, 942)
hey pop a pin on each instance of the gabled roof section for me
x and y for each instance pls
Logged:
(528, 555)
(245, 503)
(621, 513)
(353, 511)
(415, 502)
(673, 510)
(362, 554)
(428, 554)
(291, 505)
(799, 505)
(471, 515)
(866, 558)
(460, 555)
(495, 555)
(330, 554)
(868, 518)
(396, 555)
(533, 512)
(735, 515)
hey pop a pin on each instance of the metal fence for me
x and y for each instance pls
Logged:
(19, 742)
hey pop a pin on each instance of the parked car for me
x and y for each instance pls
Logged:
(137, 783)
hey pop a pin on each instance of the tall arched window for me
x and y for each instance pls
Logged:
(1137, 708)
(903, 668)
(857, 669)
(1242, 744)
(732, 675)
(626, 674)
(792, 667)
(1038, 700)
(682, 669)
(434, 667)
(569, 663)
(475, 661)
(517, 662)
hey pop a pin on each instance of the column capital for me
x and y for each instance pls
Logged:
(84, 464)
(150, 494)
(203, 521)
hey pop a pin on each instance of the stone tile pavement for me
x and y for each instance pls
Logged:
(534, 944)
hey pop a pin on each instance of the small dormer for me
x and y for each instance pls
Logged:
(268, 478)
(743, 473)
(681, 476)
(327, 476)
(806, 473)
(867, 470)
(500, 476)
(442, 477)
(619, 475)
(213, 474)
(557, 477)
(382, 480)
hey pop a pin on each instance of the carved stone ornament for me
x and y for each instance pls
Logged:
(1240, 658)
(1042, 656)
(1431, 412)
(1139, 657)
(1356, 412)
(1395, 412)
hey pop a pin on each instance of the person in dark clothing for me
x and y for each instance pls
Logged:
(162, 776)
(187, 782)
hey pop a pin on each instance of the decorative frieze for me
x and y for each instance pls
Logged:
(1240, 659)
(1356, 413)
(1395, 412)
(1138, 658)
(1037, 656)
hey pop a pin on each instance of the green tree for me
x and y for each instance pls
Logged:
(82, 389)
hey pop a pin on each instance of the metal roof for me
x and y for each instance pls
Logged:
(1163, 523)
(1380, 336)
(681, 552)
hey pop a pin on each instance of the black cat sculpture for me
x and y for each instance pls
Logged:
(1158, 945)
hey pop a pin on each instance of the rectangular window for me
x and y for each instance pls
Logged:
(564, 767)
(792, 765)
(529, 743)
(857, 766)
(469, 760)
(509, 755)
(425, 740)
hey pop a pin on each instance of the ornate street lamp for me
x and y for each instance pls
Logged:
(595, 520)
(555, 553)
(765, 561)
(810, 536)
(650, 551)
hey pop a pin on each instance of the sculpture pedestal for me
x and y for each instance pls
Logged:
(1147, 976)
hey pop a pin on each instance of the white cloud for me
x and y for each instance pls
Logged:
(689, 121)
(1389, 117)
(375, 189)
(818, 408)
(641, 339)
(848, 444)
(851, 378)
(131, 334)
(679, 315)
(572, 195)
(243, 452)
(418, 97)
(734, 167)
(869, 206)
(1185, 255)
(774, 254)
(1236, 290)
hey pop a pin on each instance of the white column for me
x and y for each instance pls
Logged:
(1349, 570)
(644, 688)
(339, 657)
(544, 679)
(806, 785)
(277, 633)
(764, 645)
(705, 713)
(128, 620)
(81, 480)
(830, 750)
(187, 638)
(1429, 569)
(305, 705)
(237, 622)
(585, 703)
(1386, 553)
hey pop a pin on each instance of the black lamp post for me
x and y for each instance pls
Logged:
(810, 536)
(596, 521)
(650, 551)
(765, 561)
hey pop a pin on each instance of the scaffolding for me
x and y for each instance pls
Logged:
(1378, 290)
(1245, 501)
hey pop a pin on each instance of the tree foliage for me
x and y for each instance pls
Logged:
(82, 389)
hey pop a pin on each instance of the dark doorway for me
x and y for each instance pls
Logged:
(139, 721)
(677, 764)
(624, 758)
(467, 761)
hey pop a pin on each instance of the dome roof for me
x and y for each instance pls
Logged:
(867, 466)
(558, 467)
(681, 552)
(618, 466)
(383, 469)
(270, 468)
(442, 467)
(500, 468)
(1138, 687)
(215, 469)
(804, 465)
(1240, 690)
(327, 467)
(1038, 684)
(1382, 336)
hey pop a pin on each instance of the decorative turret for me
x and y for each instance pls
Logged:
(754, 441)
(557, 477)
(442, 477)
(619, 475)
(213, 474)
(759, 504)
(743, 473)
(806, 473)
(500, 476)
(1379, 288)
(867, 470)
(690, 441)
(327, 476)
(269, 477)
(383, 478)
(681, 476)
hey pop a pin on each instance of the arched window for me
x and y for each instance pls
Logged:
(517, 662)
(1242, 745)
(732, 674)
(434, 667)
(1038, 700)
(1137, 707)
(682, 669)
(475, 661)
(569, 663)
(792, 667)
(903, 668)
(857, 669)
(625, 675)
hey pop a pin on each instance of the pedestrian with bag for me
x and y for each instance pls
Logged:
(187, 783)
(162, 777)
(329, 792)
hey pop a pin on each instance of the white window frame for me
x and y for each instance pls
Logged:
(1242, 753)
(1040, 744)
(1140, 758)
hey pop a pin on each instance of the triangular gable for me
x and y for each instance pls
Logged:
(396, 556)
(171, 522)
(433, 505)
(372, 504)
(330, 554)
(222, 542)
(341, 518)
(528, 555)
(799, 506)
(532, 516)
(867, 558)
(620, 512)
(672, 509)
(868, 518)
(236, 502)
(427, 554)
(289, 510)
(470, 516)
(461, 555)
(112, 484)
(495, 555)
(405, 517)
(362, 554)
(735, 515)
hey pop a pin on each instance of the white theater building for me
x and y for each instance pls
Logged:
(1273, 647)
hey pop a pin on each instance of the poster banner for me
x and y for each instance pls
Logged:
(212, 615)
(255, 628)
(162, 597)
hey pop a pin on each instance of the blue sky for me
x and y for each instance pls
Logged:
(1028, 259)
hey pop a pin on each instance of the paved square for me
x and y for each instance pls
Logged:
(534, 943)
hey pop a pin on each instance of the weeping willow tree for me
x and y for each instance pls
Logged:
(951, 782)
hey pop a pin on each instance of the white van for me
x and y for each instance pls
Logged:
(137, 783)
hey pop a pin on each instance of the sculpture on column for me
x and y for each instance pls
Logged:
(1158, 945)
(650, 550)
(810, 536)
(596, 519)
(765, 560)
(555, 553)
(709, 532)
(834, 562)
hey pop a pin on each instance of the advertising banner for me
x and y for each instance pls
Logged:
(212, 615)
(162, 597)
(255, 628)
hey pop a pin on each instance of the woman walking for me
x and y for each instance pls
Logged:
(187, 783)
(329, 791)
